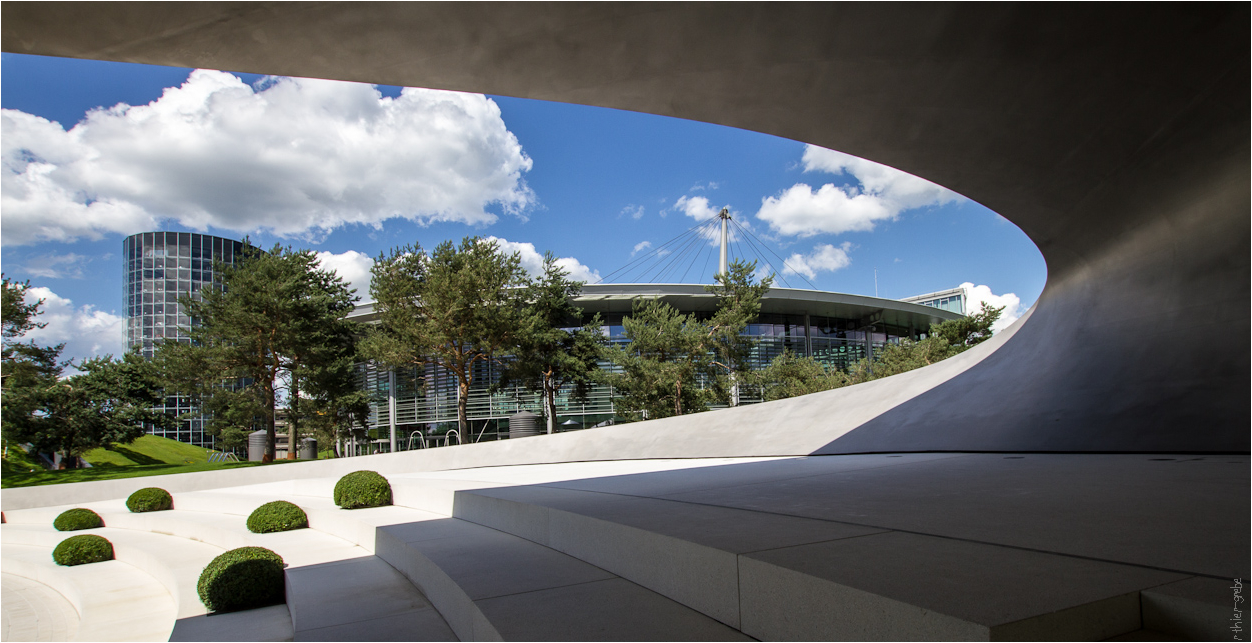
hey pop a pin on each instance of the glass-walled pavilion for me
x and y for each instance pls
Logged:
(836, 329)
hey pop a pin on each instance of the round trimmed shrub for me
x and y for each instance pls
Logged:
(242, 579)
(361, 489)
(80, 550)
(279, 515)
(75, 519)
(149, 499)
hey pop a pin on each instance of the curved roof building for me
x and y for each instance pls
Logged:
(837, 329)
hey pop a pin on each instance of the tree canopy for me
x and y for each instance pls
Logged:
(554, 347)
(108, 401)
(738, 303)
(272, 320)
(675, 363)
(458, 307)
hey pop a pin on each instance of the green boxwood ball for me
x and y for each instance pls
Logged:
(361, 489)
(80, 550)
(241, 579)
(149, 499)
(279, 515)
(75, 519)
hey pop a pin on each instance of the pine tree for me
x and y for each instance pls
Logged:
(738, 303)
(271, 319)
(555, 349)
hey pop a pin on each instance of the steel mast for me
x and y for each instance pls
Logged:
(723, 266)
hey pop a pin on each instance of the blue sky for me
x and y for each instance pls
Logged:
(352, 170)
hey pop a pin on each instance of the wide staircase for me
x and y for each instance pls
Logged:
(631, 550)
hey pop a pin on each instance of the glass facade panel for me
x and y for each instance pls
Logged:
(426, 399)
(157, 267)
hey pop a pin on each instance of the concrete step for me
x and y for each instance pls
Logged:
(114, 600)
(487, 585)
(336, 590)
(1198, 609)
(785, 577)
(174, 562)
(493, 586)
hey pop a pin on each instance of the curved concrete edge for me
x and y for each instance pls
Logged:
(746, 431)
(115, 600)
(445, 594)
(173, 561)
(35, 612)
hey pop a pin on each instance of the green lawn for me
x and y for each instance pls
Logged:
(148, 449)
(147, 456)
(18, 461)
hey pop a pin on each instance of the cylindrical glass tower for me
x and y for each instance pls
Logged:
(158, 268)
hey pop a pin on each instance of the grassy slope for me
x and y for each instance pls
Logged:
(18, 461)
(147, 456)
(148, 449)
(109, 473)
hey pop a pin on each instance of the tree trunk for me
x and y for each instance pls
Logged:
(549, 403)
(293, 419)
(271, 447)
(462, 414)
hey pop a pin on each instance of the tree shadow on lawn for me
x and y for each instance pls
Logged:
(135, 456)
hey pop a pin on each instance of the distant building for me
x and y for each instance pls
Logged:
(158, 268)
(955, 300)
(836, 329)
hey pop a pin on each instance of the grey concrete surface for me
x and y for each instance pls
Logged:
(1077, 537)
(362, 595)
(1118, 140)
(1195, 608)
(493, 585)
(1188, 513)
(986, 592)
(271, 623)
(607, 610)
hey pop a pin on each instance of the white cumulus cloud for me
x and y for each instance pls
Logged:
(696, 207)
(799, 211)
(86, 332)
(642, 245)
(289, 155)
(979, 297)
(532, 261)
(824, 258)
(882, 194)
(353, 267)
(633, 211)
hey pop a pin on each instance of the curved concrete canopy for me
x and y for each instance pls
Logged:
(618, 298)
(1115, 136)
